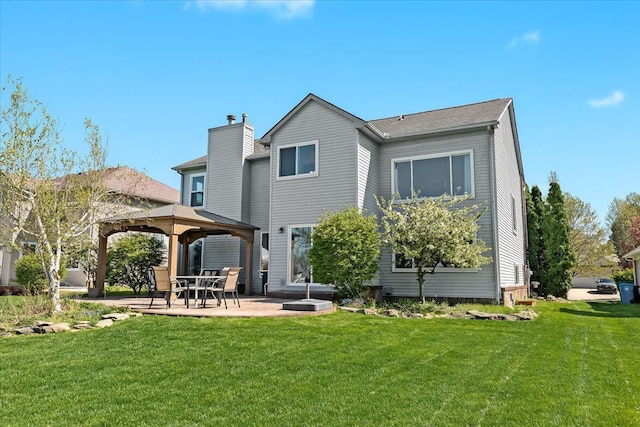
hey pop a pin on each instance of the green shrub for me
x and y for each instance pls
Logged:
(31, 275)
(625, 275)
(345, 251)
(130, 257)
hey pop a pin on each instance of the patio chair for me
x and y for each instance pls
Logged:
(213, 285)
(161, 284)
(228, 285)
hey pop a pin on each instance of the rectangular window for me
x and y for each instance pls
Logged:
(298, 160)
(401, 264)
(299, 265)
(433, 176)
(516, 273)
(196, 190)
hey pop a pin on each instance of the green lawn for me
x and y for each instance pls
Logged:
(578, 364)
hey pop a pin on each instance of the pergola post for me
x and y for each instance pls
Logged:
(248, 267)
(172, 262)
(101, 270)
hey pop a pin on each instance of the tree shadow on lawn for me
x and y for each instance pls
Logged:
(606, 309)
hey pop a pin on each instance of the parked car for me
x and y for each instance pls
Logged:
(606, 285)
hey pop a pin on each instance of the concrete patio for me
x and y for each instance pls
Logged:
(256, 306)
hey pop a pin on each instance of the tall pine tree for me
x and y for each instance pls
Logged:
(557, 278)
(536, 210)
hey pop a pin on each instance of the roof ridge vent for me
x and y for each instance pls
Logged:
(401, 116)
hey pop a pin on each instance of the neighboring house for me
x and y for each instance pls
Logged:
(139, 191)
(320, 158)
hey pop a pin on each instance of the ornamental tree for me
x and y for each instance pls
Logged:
(49, 193)
(433, 232)
(346, 251)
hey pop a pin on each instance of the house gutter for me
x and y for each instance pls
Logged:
(494, 205)
(386, 136)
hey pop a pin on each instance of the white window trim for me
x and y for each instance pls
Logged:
(204, 190)
(395, 269)
(296, 175)
(436, 156)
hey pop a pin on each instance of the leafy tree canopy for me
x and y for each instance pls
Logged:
(432, 232)
(345, 251)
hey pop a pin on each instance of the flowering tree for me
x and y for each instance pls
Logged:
(432, 232)
(44, 195)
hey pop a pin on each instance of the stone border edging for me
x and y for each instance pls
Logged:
(45, 327)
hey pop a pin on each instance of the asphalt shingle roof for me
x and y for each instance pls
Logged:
(436, 120)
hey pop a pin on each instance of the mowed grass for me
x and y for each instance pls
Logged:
(578, 364)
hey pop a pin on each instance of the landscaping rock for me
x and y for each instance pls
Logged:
(392, 313)
(56, 328)
(41, 323)
(24, 330)
(415, 315)
(525, 315)
(80, 326)
(6, 334)
(428, 316)
(511, 318)
(3, 328)
(480, 314)
(104, 323)
(115, 316)
(371, 311)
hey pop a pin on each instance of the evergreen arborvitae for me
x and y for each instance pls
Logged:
(557, 278)
(536, 210)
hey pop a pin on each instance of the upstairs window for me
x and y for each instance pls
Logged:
(298, 160)
(197, 191)
(433, 176)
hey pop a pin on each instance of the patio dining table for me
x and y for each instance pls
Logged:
(197, 287)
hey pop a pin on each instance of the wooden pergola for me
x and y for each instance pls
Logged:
(182, 224)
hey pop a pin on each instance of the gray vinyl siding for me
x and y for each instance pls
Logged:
(368, 176)
(225, 165)
(227, 190)
(221, 251)
(510, 247)
(302, 201)
(476, 284)
(259, 213)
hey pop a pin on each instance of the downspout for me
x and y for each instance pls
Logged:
(494, 206)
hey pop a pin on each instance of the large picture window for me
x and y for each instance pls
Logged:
(197, 191)
(298, 160)
(402, 264)
(433, 176)
(299, 265)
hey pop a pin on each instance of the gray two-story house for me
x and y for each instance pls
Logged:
(320, 158)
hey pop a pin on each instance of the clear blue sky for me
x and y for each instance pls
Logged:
(155, 75)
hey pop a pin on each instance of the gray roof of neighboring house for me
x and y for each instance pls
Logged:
(442, 120)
